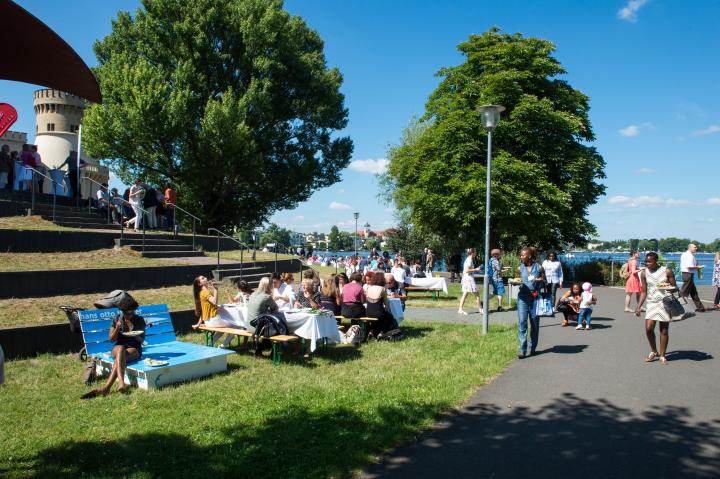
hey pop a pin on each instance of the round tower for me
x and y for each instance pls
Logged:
(58, 118)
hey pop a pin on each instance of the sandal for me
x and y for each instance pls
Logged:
(564, 323)
(663, 360)
(460, 311)
(651, 357)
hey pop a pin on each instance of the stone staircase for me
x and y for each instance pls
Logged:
(251, 274)
(158, 246)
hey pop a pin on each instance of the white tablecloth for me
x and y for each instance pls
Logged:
(306, 325)
(313, 327)
(395, 306)
(430, 283)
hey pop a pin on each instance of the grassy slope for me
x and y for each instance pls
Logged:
(97, 259)
(320, 419)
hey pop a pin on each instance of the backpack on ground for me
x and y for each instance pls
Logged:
(392, 335)
(624, 271)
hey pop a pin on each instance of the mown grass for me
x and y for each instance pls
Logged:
(247, 256)
(37, 311)
(318, 419)
(96, 259)
(30, 223)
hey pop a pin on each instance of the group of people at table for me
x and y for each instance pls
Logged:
(353, 297)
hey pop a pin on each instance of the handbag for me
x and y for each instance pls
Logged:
(543, 305)
(673, 307)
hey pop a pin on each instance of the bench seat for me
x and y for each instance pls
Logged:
(185, 360)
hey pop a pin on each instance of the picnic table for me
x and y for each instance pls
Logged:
(431, 284)
(303, 323)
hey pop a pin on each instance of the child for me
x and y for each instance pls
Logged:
(586, 306)
(243, 294)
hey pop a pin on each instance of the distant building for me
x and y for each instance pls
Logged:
(14, 139)
(58, 117)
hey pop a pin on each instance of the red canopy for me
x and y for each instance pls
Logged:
(31, 52)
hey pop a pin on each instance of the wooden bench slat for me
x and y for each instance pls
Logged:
(282, 338)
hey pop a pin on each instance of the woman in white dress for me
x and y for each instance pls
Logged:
(650, 277)
(468, 281)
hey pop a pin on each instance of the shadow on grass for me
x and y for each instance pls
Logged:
(298, 443)
(569, 437)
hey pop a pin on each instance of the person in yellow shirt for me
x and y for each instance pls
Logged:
(206, 308)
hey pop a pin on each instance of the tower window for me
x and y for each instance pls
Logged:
(51, 127)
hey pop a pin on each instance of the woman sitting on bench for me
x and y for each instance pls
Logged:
(377, 306)
(353, 297)
(127, 349)
(206, 309)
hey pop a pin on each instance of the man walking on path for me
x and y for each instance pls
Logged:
(688, 266)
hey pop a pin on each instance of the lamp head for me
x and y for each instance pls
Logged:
(490, 115)
(356, 215)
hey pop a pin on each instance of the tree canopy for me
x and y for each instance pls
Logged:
(231, 100)
(545, 175)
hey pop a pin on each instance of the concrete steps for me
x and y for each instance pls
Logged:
(221, 274)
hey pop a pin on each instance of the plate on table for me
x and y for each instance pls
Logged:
(134, 333)
(155, 362)
(293, 311)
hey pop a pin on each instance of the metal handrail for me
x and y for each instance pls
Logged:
(122, 220)
(218, 248)
(187, 213)
(287, 248)
(32, 197)
(90, 200)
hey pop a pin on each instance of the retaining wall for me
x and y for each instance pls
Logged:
(34, 284)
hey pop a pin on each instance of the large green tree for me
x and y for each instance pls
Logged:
(545, 174)
(229, 99)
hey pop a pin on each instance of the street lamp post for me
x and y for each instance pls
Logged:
(490, 115)
(356, 215)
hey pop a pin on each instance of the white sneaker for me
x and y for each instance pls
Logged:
(587, 326)
(460, 311)
(579, 326)
(480, 311)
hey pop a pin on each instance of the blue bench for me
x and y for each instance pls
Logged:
(185, 360)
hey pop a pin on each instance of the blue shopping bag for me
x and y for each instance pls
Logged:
(543, 305)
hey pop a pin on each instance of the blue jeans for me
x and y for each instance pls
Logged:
(525, 311)
(585, 315)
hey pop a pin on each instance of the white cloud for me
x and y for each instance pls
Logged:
(629, 11)
(712, 129)
(645, 171)
(338, 206)
(370, 166)
(634, 130)
(712, 201)
(646, 201)
(341, 190)
(298, 218)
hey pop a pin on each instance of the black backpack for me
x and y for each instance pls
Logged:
(266, 326)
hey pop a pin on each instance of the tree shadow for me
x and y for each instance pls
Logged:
(569, 437)
(298, 442)
(688, 355)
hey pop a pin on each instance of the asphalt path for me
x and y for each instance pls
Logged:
(587, 405)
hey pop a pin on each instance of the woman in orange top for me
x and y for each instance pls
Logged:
(632, 284)
(206, 308)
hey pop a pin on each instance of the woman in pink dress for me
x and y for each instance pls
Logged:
(632, 284)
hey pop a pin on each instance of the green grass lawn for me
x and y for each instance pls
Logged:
(30, 223)
(247, 256)
(97, 259)
(317, 419)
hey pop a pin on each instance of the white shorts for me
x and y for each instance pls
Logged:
(468, 284)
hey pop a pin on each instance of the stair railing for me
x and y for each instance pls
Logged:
(240, 243)
(32, 200)
(287, 249)
(122, 219)
(194, 218)
(90, 199)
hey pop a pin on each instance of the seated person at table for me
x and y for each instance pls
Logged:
(353, 297)
(377, 306)
(341, 280)
(126, 349)
(307, 297)
(330, 296)
(282, 293)
(312, 275)
(399, 272)
(395, 289)
(206, 309)
(243, 293)
(367, 278)
(261, 302)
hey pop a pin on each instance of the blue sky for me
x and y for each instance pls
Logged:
(650, 69)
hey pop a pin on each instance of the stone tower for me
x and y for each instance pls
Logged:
(58, 117)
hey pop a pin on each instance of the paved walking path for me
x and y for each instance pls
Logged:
(587, 406)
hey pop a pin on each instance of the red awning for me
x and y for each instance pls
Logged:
(31, 52)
